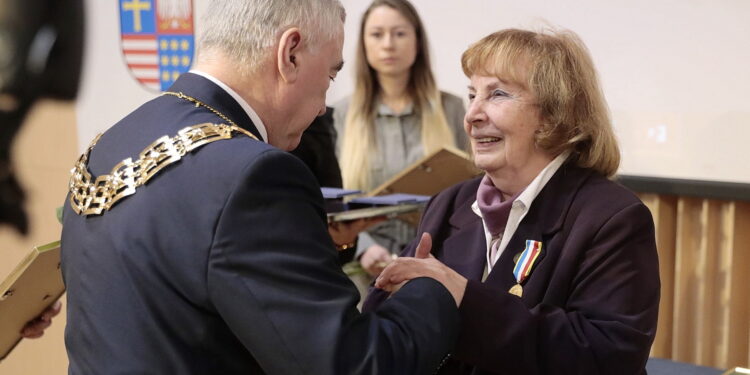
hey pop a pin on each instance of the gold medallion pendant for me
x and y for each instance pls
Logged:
(525, 261)
(516, 290)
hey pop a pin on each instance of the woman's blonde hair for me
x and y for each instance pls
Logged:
(556, 67)
(359, 134)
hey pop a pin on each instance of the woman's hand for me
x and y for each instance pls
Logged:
(36, 327)
(422, 265)
(344, 233)
(374, 259)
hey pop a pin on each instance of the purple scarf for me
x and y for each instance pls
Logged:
(494, 210)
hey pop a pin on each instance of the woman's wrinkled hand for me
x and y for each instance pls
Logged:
(423, 264)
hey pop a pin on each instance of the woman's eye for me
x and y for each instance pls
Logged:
(332, 78)
(376, 35)
(471, 97)
(500, 93)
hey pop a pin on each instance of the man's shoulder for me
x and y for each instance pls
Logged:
(193, 134)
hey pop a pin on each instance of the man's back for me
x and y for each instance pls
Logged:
(221, 264)
(147, 258)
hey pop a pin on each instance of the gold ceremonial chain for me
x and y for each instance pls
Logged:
(200, 103)
(93, 198)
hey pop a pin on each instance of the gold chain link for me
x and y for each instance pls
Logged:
(93, 196)
(199, 103)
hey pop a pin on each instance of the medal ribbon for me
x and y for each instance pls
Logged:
(526, 262)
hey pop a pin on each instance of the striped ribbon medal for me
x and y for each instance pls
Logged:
(524, 265)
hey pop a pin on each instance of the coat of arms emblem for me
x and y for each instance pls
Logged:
(157, 40)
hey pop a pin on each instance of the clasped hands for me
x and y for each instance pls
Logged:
(423, 264)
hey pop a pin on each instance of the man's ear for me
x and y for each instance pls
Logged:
(290, 45)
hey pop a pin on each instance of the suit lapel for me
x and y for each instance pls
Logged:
(210, 94)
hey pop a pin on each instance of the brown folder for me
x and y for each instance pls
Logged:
(431, 174)
(31, 287)
(389, 212)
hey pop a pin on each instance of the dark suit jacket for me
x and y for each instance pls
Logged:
(318, 151)
(222, 264)
(590, 304)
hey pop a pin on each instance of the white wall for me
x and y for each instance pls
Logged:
(674, 72)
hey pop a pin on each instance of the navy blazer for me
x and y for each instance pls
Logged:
(222, 264)
(591, 301)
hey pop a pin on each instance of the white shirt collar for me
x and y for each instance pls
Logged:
(249, 110)
(537, 184)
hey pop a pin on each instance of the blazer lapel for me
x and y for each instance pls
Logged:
(211, 94)
(465, 249)
(502, 271)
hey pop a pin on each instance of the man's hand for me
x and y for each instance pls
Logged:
(422, 265)
(346, 232)
(36, 327)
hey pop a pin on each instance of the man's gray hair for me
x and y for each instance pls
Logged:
(243, 29)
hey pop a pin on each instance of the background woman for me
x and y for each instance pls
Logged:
(558, 263)
(395, 116)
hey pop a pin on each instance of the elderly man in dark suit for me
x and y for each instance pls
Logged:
(558, 262)
(192, 244)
